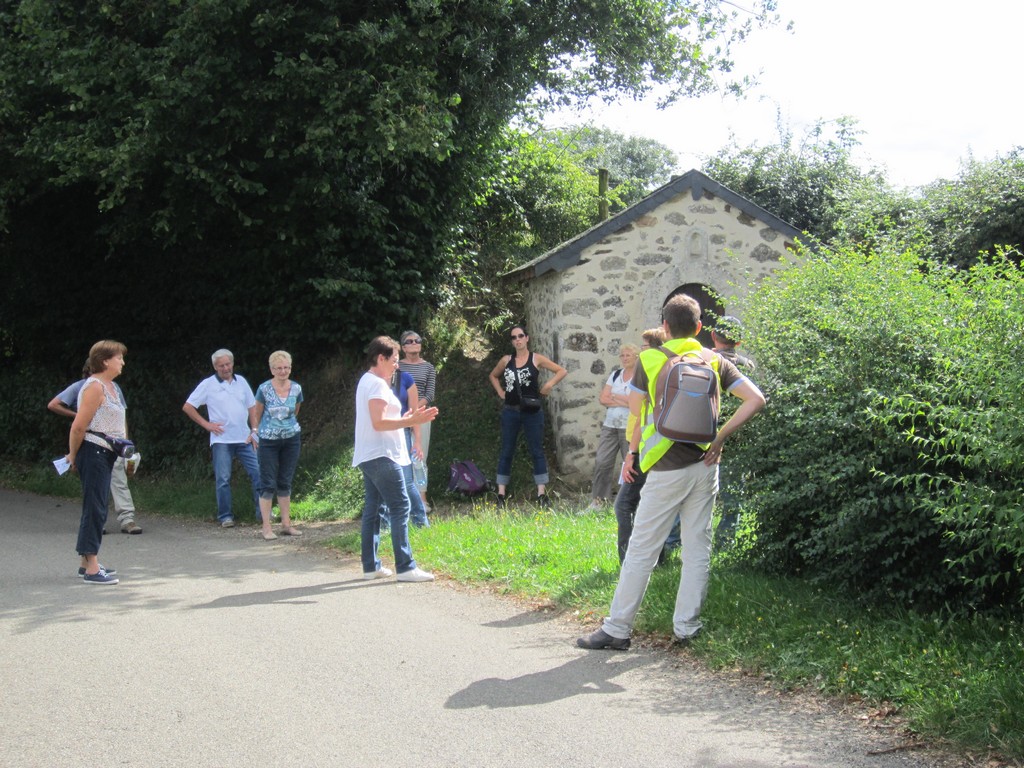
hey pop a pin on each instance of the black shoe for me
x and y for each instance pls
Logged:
(599, 640)
(501, 501)
(111, 571)
(684, 642)
(543, 501)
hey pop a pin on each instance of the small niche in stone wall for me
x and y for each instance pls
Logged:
(697, 246)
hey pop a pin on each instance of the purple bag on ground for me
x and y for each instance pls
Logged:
(466, 478)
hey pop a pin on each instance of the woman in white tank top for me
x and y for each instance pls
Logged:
(99, 410)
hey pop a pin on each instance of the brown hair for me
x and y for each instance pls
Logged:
(382, 345)
(101, 352)
(682, 315)
(654, 337)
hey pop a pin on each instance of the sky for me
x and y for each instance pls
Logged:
(929, 84)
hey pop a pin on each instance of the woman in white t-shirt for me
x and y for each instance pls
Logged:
(381, 453)
(613, 445)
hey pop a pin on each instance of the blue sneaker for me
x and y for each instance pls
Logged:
(111, 571)
(100, 577)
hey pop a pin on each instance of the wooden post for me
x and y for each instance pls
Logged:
(602, 193)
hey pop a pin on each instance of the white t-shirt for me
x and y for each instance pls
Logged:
(371, 444)
(227, 403)
(617, 415)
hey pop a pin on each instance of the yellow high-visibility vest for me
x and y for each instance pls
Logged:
(652, 444)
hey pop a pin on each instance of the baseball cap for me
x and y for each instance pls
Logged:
(729, 328)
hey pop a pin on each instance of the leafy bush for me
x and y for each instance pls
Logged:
(974, 214)
(886, 459)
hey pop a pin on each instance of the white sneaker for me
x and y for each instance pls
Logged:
(415, 575)
(380, 573)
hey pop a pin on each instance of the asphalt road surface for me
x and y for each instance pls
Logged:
(219, 649)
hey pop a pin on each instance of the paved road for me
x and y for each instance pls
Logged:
(218, 649)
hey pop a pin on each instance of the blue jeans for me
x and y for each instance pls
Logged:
(222, 455)
(384, 486)
(626, 502)
(532, 425)
(417, 512)
(94, 465)
(278, 460)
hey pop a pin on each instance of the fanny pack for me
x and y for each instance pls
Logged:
(121, 446)
(529, 404)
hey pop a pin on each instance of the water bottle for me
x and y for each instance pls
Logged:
(419, 472)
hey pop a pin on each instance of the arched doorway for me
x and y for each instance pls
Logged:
(711, 308)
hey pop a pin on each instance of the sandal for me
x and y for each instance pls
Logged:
(290, 531)
(268, 535)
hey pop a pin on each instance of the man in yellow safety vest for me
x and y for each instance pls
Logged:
(682, 480)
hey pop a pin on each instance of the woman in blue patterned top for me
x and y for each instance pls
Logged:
(277, 408)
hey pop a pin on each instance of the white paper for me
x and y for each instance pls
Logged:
(62, 465)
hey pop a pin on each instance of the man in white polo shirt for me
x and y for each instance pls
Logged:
(232, 425)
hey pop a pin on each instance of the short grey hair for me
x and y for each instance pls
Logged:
(221, 353)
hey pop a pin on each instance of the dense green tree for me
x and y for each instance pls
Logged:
(635, 165)
(814, 183)
(542, 189)
(191, 173)
(315, 142)
(972, 216)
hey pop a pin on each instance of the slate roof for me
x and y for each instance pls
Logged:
(568, 254)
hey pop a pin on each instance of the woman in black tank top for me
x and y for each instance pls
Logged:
(516, 379)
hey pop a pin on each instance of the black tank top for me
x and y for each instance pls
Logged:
(529, 380)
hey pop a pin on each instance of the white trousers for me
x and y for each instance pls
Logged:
(690, 494)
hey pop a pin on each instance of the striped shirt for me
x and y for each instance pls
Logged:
(425, 376)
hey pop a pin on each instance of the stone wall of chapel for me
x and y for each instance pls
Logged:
(581, 316)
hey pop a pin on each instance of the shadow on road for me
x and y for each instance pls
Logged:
(578, 677)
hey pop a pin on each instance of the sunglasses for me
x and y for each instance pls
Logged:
(407, 342)
(518, 336)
